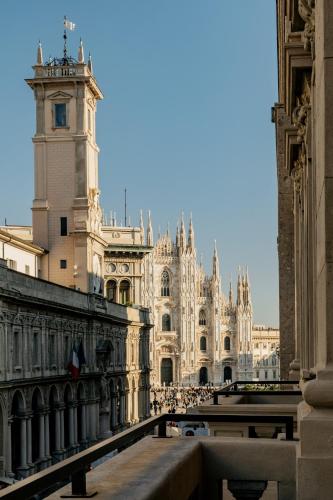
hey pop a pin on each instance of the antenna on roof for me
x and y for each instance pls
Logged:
(125, 207)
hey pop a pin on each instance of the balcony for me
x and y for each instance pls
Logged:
(178, 468)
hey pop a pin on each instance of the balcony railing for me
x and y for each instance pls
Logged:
(234, 389)
(75, 467)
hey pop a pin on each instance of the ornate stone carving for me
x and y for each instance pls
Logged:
(306, 10)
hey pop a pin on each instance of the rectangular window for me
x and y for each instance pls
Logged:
(63, 226)
(60, 118)
(257, 374)
(274, 374)
(27, 269)
(63, 264)
(266, 375)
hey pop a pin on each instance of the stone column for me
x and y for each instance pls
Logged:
(92, 414)
(122, 408)
(58, 430)
(113, 411)
(41, 437)
(84, 423)
(75, 425)
(23, 442)
(9, 449)
(136, 404)
(97, 418)
(71, 426)
(47, 436)
(62, 429)
(29, 443)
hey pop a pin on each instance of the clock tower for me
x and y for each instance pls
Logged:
(66, 211)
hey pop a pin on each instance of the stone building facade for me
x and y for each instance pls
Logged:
(45, 415)
(266, 353)
(304, 123)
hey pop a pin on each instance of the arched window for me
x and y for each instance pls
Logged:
(124, 292)
(202, 317)
(203, 344)
(165, 284)
(227, 344)
(166, 323)
(111, 288)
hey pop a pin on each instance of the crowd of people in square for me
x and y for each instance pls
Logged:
(176, 399)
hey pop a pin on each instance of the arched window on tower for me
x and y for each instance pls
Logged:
(165, 284)
(166, 323)
(111, 288)
(203, 344)
(124, 292)
(202, 317)
(227, 343)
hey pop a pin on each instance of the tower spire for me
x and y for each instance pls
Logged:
(39, 54)
(80, 57)
(216, 265)
(231, 299)
(90, 64)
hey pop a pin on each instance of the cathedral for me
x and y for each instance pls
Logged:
(199, 336)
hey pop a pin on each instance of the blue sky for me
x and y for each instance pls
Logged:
(185, 123)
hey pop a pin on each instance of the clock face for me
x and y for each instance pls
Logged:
(124, 268)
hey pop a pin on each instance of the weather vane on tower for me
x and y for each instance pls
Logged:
(68, 25)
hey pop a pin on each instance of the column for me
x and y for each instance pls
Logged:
(92, 419)
(9, 450)
(136, 404)
(71, 426)
(23, 443)
(47, 435)
(84, 423)
(75, 425)
(113, 403)
(97, 418)
(57, 430)
(122, 408)
(41, 437)
(29, 438)
(62, 429)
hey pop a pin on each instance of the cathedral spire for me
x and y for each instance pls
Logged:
(177, 236)
(150, 238)
(182, 233)
(231, 299)
(80, 57)
(191, 235)
(216, 264)
(39, 54)
(239, 288)
(141, 221)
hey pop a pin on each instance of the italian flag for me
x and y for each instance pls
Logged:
(74, 364)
